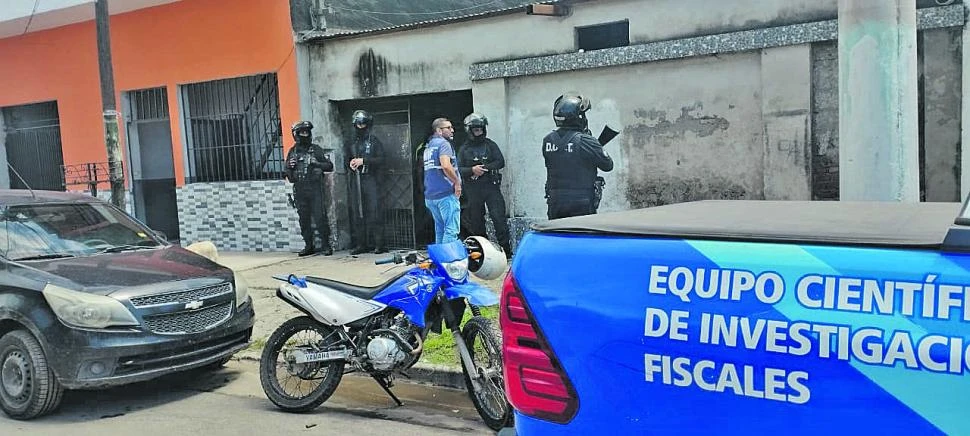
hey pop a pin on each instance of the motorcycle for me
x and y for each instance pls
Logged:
(381, 330)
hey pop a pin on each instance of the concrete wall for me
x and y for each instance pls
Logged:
(940, 68)
(941, 86)
(437, 58)
(672, 113)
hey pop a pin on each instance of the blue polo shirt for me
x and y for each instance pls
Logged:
(436, 184)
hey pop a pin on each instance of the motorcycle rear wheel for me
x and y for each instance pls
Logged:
(299, 387)
(486, 352)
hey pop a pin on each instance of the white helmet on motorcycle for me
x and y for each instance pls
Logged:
(486, 260)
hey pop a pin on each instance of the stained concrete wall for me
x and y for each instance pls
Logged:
(681, 124)
(437, 58)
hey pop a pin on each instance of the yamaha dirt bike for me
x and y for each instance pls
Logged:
(380, 331)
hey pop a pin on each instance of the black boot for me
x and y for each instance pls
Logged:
(307, 251)
(327, 251)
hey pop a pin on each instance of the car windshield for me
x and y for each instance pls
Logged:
(46, 231)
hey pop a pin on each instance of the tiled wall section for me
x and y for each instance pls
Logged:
(239, 216)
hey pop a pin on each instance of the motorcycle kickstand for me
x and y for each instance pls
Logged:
(387, 389)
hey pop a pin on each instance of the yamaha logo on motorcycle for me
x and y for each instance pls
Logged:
(381, 330)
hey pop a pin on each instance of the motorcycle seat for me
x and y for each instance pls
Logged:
(362, 292)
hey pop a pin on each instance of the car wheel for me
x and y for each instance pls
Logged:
(28, 387)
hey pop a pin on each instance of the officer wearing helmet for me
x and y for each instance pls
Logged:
(305, 164)
(479, 163)
(366, 155)
(572, 158)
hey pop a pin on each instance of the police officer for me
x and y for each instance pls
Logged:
(305, 164)
(366, 157)
(572, 157)
(479, 162)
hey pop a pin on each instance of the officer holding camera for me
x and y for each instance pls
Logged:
(479, 163)
(305, 164)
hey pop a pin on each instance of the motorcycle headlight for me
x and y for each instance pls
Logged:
(457, 270)
(84, 310)
(242, 289)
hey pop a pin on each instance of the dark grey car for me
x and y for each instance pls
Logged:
(90, 298)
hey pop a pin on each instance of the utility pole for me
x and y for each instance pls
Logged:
(878, 112)
(116, 174)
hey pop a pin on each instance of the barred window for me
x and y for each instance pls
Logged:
(233, 129)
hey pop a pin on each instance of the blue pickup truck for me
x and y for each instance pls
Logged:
(742, 317)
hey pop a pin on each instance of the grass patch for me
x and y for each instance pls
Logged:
(441, 350)
(257, 344)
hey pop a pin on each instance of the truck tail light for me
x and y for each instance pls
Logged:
(535, 382)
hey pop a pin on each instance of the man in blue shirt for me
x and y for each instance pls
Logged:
(442, 186)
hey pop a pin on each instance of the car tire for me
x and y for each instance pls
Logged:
(28, 386)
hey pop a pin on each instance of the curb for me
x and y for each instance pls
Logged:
(442, 376)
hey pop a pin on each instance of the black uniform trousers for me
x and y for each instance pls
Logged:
(564, 203)
(370, 226)
(311, 207)
(478, 196)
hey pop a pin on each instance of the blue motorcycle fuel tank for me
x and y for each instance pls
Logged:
(414, 292)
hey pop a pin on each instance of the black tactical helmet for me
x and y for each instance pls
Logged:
(475, 120)
(301, 125)
(362, 117)
(570, 111)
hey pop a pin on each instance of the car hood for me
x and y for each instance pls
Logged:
(106, 273)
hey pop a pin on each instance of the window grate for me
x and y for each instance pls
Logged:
(233, 130)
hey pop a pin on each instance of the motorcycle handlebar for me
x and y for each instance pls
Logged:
(393, 259)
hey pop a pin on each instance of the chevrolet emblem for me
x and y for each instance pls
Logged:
(194, 305)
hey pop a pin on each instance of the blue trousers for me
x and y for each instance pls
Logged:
(447, 217)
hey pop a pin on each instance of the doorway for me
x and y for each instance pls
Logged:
(33, 146)
(403, 125)
(150, 160)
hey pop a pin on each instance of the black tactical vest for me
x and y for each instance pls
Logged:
(567, 166)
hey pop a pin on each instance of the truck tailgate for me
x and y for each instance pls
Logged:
(666, 335)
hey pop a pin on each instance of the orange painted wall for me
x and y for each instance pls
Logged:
(178, 43)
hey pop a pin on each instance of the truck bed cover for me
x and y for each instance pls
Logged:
(915, 225)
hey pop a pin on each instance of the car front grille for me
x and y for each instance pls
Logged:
(187, 322)
(182, 296)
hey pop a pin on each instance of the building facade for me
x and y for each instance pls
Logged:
(206, 92)
(714, 100)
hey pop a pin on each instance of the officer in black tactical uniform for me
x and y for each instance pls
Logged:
(572, 157)
(366, 155)
(305, 164)
(479, 162)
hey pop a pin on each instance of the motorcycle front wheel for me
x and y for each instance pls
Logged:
(293, 386)
(486, 352)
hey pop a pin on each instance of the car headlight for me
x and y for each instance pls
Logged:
(85, 310)
(457, 270)
(242, 288)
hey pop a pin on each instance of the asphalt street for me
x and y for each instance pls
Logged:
(230, 401)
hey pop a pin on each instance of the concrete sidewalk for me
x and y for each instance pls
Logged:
(259, 267)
